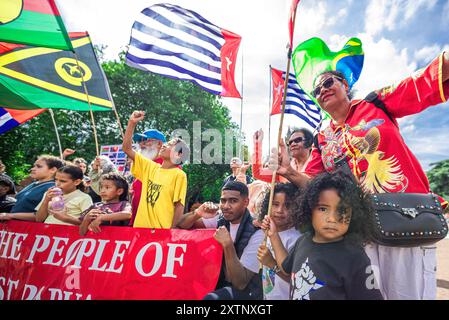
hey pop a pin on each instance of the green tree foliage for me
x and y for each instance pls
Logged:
(168, 104)
(439, 178)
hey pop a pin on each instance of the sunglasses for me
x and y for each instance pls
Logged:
(297, 140)
(329, 82)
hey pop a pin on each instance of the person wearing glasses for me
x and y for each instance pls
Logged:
(299, 147)
(368, 138)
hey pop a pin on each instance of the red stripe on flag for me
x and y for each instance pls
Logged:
(24, 115)
(291, 21)
(6, 47)
(278, 90)
(228, 60)
(41, 6)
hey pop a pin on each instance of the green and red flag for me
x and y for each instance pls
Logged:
(37, 77)
(33, 22)
(313, 57)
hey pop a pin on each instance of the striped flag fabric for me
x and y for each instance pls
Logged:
(10, 118)
(178, 43)
(297, 102)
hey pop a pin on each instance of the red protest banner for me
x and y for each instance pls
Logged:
(52, 262)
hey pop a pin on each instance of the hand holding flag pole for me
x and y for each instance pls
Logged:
(284, 98)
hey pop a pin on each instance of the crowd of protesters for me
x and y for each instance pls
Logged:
(313, 239)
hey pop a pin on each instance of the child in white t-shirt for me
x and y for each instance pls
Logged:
(275, 282)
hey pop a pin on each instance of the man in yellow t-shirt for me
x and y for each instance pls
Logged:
(164, 186)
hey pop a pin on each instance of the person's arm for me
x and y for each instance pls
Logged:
(194, 219)
(179, 210)
(67, 152)
(236, 273)
(280, 161)
(88, 218)
(280, 253)
(127, 145)
(26, 216)
(64, 217)
(445, 71)
(42, 208)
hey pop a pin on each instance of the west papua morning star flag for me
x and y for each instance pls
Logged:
(297, 102)
(10, 118)
(178, 43)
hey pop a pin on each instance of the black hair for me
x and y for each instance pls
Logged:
(340, 76)
(237, 186)
(52, 161)
(290, 191)
(7, 182)
(308, 135)
(119, 182)
(361, 226)
(75, 173)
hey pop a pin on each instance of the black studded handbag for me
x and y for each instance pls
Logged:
(408, 219)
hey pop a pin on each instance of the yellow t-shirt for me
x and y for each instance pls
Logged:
(74, 202)
(161, 188)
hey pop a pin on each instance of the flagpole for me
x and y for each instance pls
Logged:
(281, 122)
(56, 131)
(97, 149)
(269, 111)
(241, 116)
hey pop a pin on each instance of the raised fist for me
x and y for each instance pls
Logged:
(137, 116)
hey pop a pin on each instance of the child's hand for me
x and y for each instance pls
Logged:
(137, 116)
(94, 226)
(223, 237)
(52, 192)
(60, 215)
(93, 214)
(268, 224)
(264, 256)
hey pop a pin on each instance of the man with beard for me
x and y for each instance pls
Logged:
(150, 143)
(164, 186)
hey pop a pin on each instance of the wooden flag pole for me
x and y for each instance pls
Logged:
(57, 133)
(281, 122)
(97, 149)
(118, 121)
(269, 111)
(241, 117)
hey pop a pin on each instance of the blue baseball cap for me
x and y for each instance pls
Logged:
(149, 134)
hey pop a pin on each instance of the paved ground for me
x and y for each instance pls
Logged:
(443, 269)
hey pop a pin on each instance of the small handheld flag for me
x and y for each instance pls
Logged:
(313, 57)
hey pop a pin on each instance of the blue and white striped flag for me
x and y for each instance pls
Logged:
(178, 43)
(297, 102)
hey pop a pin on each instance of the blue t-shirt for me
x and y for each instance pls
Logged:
(31, 196)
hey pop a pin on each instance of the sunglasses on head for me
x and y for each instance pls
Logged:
(329, 82)
(297, 140)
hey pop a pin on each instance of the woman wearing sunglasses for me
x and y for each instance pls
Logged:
(369, 140)
(299, 146)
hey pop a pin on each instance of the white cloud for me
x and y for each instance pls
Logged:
(389, 14)
(384, 64)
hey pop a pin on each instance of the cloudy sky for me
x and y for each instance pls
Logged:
(398, 37)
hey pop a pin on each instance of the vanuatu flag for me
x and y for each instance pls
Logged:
(37, 77)
(313, 57)
(33, 22)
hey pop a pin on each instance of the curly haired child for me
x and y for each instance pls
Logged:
(328, 262)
